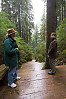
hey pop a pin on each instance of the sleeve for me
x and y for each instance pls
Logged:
(8, 47)
(52, 47)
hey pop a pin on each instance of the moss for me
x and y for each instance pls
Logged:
(43, 66)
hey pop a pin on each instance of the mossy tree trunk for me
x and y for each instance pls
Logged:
(51, 25)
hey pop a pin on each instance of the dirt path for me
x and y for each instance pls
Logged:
(36, 83)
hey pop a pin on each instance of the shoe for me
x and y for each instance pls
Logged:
(18, 78)
(51, 70)
(12, 85)
(51, 73)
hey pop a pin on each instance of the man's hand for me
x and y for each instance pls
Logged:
(17, 49)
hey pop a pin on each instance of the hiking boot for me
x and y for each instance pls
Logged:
(51, 70)
(12, 85)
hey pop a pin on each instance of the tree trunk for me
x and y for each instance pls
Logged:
(51, 25)
(64, 9)
(29, 36)
(44, 33)
(19, 20)
(26, 34)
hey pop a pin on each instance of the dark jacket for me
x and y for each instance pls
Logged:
(16, 46)
(52, 49)
(10, 52)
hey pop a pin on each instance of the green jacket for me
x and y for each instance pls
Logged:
(10, 53)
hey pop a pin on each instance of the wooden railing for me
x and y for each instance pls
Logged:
(3, 70)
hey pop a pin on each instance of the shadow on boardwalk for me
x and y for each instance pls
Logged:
(36, 83)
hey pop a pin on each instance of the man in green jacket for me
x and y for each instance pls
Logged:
(11, 57)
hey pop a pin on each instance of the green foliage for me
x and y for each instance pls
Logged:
(60, 10)
(61, 38)
(5, 23)
(21, 14)
(24, 49)
(40, 52)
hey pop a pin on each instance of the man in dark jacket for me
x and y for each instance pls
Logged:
(11, 57)
(52, 53)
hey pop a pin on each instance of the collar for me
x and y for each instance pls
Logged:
(12, 39)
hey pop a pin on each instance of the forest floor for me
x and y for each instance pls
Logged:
(35, 83)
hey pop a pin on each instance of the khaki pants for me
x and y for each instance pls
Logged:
(52, 65)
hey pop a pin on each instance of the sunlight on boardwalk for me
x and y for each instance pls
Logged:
(36, 83)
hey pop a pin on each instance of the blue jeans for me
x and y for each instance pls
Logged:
(12, 74)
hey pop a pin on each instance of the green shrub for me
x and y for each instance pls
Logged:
(61, 38)
(24, 49)
(40, 52)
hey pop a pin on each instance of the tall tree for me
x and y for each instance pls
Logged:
(64, 8)
(35, 36)
(51, 25)
(20, 13)
(43, 28)
(61, 10)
